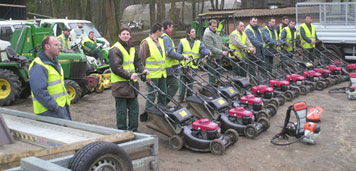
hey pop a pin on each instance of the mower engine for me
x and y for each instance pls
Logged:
(351, 67)
(313, 76)
(298, 80)
(205, 129)
(241, 115)
(267, 95)
(335, 70)
(255, 105)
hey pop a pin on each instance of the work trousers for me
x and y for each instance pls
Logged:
(127, 107)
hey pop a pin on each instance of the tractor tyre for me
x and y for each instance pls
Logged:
(74, 90)
(10, 87)
(101, 156)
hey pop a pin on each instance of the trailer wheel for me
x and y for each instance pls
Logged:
(73, 90)
(250, 131)
(217, 147)
(10, 87)
(233, 135)
(175, 142)
(320, 86)
(288, 95)
(303, 90)
(265, 123)
(282, 99)
(101, 156)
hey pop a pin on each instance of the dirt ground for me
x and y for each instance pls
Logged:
(335, 149)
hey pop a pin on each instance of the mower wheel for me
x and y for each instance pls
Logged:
(233, 135)
(265, 123)
(289, 95)
(274, 102)
(297, 91)
(327, 82)
(261, 114)
(10, 87)
(272, 108)
(303, 90)
(313, 86)
(281, 99)
(101, 156)
(250, 131)
(176, 142)
(73, 90)
(217, 147)
(320, 86)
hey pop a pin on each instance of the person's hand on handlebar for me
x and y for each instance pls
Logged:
(225, 53)
(146, 71)
(252, 50)
(133, 76)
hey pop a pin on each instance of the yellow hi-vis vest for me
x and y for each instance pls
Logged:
(289, 38)
(254, 35)
(310, 35)
(187, 51)
(127, 64)
(242, 40)
(87, 39)
(155, 63)
(65, 44)
(56, 87)
(170, 61)
(270, 34)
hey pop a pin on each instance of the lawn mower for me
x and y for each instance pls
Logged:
(217, 108)
(183, 129)
(304, 131)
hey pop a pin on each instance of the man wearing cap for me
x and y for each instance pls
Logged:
(64, 40)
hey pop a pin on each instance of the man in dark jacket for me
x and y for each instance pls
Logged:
(124, 62)
(270, 37)
(213, 42)
(49, 94)
(254, 34)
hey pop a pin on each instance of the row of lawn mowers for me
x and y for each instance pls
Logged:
(217, 114)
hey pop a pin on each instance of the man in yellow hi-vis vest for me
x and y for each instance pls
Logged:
(190, 46)
(124, 63)
(270, 38)
(153, 55)
(288, 39)
(49, 94)
(65, 40)
(172, 59)
(241, 44)
(308, 38)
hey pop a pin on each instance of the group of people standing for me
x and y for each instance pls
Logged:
(159, 60)
(262, 43)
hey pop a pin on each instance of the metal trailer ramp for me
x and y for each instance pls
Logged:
(43, 134)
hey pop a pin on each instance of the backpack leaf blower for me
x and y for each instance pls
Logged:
(305, 132)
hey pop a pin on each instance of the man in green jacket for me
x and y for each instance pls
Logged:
(91, 47)
(213, 42)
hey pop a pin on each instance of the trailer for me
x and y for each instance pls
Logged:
(335, 25)
(46, 143)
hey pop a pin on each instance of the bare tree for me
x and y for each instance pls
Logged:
(152, 12)
(212, 4)
(202, 6)
(193, 9)
(222, 4)
(173, 11)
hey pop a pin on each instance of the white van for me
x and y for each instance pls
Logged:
(7, 27)
(76, 33)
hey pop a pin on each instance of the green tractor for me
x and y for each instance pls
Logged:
(27, 42)
(14, 80)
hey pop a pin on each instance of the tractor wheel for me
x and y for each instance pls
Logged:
(26, 91)
(250, 131)
(10, 87)
(289, 95)
(175, 142)
(272, 109)
(233, 135)
(320, 86)
(303, 90)
(99, 88)
(282, 99)
(264, 121)
(73, 90)
(101, 156)
(217, 147)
